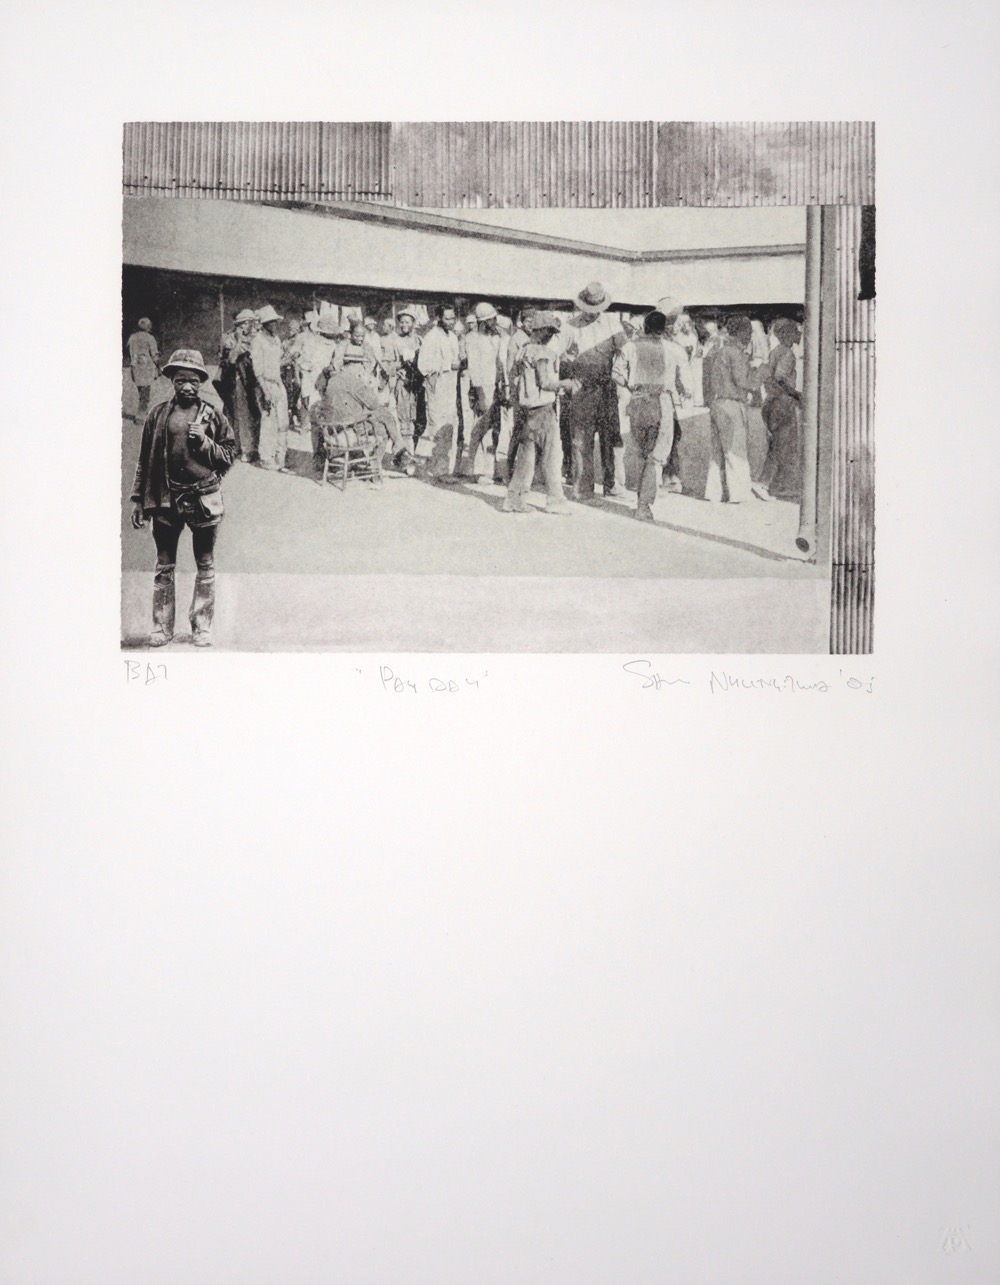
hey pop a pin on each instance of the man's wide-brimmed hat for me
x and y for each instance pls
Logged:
(245, 314)
(186, 359)
(669, 307)
(484, 312)
(267, 314)
(593, 298)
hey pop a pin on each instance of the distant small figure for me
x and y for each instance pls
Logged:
(144, 362)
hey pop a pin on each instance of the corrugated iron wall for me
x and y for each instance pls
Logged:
(853, 491)
(259, 160)
(604, 164)
(766, 163)
(609, 164)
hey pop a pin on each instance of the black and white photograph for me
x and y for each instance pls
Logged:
(402, 397)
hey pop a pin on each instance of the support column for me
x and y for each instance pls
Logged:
(806, 539)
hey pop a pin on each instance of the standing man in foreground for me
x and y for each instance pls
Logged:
(438, 363)
(590, 350)
(187, 447)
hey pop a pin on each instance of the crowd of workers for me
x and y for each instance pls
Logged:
(492, 398)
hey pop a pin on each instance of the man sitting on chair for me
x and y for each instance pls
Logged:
(347, 399)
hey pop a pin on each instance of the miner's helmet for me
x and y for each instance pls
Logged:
(186, 359)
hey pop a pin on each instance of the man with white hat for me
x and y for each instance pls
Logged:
(486, 352)
(265, 357)
(438, 362)
(143, 360)
(187, 446)
(318, 346)
(592, 340)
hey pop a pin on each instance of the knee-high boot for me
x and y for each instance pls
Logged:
(203, 602)
(163, 602)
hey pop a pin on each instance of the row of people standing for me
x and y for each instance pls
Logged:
(458, 383)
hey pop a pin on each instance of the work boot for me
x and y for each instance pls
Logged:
(404, 462)
(515, 504)
(672, 484)
(560, 508)
(616, 492)
(203, 606)
(163, 606)
(644, 513)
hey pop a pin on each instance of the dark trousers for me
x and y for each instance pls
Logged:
(167, 528)
(594, 410)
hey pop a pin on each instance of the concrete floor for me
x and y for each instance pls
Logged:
(415, 567)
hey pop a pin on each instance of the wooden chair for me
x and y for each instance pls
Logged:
(352, 450)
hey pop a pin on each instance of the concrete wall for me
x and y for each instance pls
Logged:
(223, 238)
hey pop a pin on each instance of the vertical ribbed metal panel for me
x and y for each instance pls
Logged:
(597, 164)
(766, 163)
(602, 164)
(258, 160)
(853, 492)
